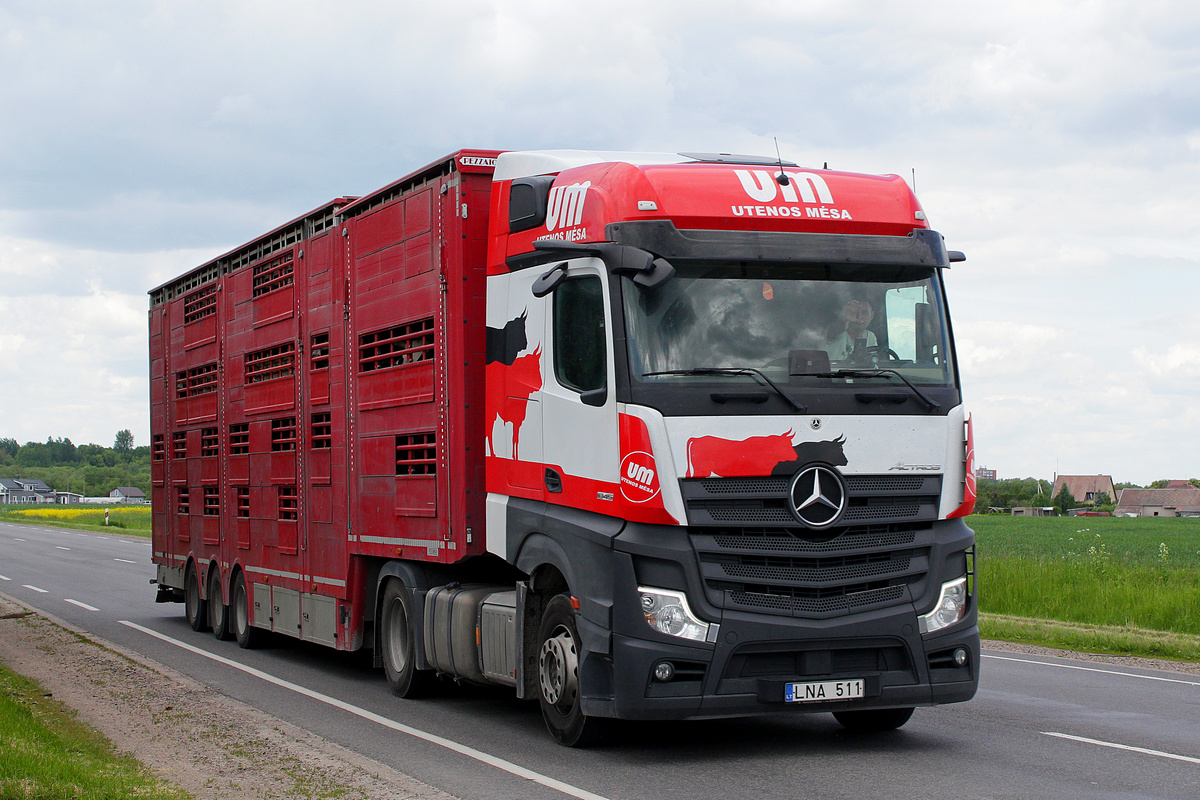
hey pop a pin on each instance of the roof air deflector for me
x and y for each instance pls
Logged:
(730, 158)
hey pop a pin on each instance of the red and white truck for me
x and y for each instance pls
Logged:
(643, 436)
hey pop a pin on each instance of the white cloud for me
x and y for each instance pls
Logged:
(1054, 142)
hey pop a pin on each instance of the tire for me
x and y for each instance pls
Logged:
(195, 608)
(876, 720)
(398, 644)
(248, 637)
(218, 611)
(558, 679)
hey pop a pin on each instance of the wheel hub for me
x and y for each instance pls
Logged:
(558, 669)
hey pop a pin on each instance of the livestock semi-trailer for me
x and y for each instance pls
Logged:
(642, 436)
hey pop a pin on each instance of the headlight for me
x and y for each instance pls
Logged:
(951, 607)
(667, 612)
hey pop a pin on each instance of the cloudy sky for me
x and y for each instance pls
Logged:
(1057, 143)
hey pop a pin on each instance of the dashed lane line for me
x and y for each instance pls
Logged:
(84, 606)
(34, 588)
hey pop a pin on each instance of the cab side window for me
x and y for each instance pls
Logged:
(580, 349)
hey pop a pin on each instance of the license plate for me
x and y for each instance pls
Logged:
(821, 691)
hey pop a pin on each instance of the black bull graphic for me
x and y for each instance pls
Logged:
(828, 452)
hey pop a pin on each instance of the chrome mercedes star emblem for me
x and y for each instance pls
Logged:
(818, 496)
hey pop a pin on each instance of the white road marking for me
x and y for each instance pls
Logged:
(1095, 669)
(124, 560)
(36, 589)
(60, 547)
(449, 744)
(1117, 746)
(84, 606)
(5, 578)
(15, 539)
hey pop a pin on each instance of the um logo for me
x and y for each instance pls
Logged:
(639, 481)
(565, 206)
(762, 186)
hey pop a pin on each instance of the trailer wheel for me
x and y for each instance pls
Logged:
(398, 640)
(195, 609)
(558, 679)
(247, 635)
(218, 612)
(875, 720)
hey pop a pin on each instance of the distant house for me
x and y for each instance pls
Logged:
(985, 474)
(1033, 511)
(128, 494)
(25, 490)
(1177, 502)
(1085, 488)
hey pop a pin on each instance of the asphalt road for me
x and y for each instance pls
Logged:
(1040, 727)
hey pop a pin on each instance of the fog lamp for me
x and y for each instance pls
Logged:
(960, 657)
(664, 671)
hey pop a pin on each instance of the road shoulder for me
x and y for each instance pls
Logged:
(191, 735)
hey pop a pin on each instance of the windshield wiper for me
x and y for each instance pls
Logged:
(878, 373)
(732, 371)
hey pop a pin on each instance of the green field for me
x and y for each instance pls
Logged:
(1126, 586)
(48, 754)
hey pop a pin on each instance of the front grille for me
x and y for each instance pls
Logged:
(783, 572)
(754, 554)
(765, 502)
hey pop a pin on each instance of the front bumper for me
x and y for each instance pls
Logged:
(745, 671)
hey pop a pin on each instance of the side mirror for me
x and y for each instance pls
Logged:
(549, 280)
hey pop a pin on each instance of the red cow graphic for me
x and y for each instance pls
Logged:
(508, 392)
(710, 456)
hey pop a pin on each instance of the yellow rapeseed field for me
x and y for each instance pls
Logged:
(120, 516)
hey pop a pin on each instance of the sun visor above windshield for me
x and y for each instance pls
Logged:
(581, 202)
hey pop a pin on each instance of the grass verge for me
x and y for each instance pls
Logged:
(1106, 639)
(48, 754)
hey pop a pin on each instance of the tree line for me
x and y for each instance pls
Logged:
(91, 470)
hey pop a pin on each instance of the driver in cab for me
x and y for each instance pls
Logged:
(849, 333)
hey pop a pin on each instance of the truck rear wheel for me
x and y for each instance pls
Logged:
(398, 640)
(218, 612)
(875, 720)
(247, 635)
(558, 679)
(195, 609)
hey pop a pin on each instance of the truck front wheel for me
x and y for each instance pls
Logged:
(399, 642)
(558, 679)
(195, 609)
(876, 720)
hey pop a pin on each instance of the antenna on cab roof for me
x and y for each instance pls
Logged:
(781, 178)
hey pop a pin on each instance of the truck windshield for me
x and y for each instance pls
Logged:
(791, 323)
